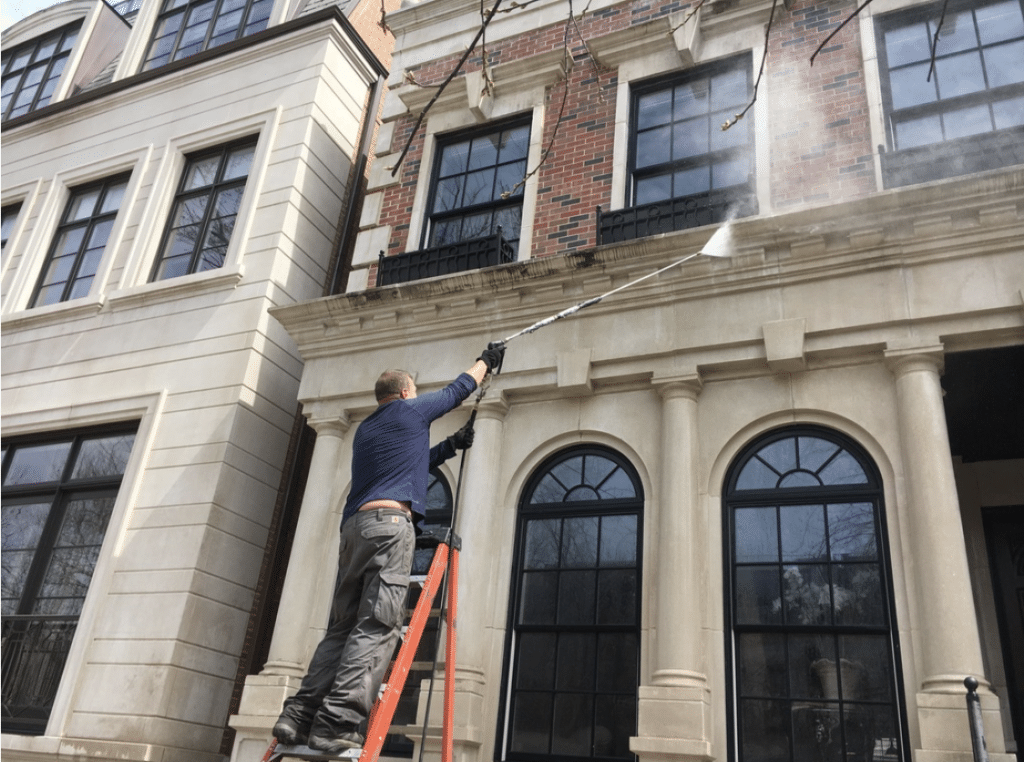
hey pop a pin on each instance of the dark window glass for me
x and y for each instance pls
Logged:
(574, 648)
(184, 29)
(31, 70)
(479, 187)
(58, 494)
(977, 85)
(204, 212)
(679, 148)
(77, 248)
(10, 216)
(812, 644)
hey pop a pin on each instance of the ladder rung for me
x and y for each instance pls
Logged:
(311, 755)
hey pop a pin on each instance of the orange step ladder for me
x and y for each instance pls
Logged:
(445, 564)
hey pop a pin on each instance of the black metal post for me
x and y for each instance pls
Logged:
(974, 717)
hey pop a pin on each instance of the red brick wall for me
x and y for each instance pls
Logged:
(818, 153)
(818, 115)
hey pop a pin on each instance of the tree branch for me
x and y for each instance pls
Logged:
(935, 40)
(760, 72)
(835, 31)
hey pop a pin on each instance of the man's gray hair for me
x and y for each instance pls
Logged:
(391, 383)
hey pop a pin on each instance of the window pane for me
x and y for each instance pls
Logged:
(653, 147)
(32, 464)
(618, 541)
(918, 132)
(803, 533)
(856, 592)
(106, 456)
(617, 662)
(1005, 64)
(22, 526)
(239, 162)
(576, 598)
(957, 33)
(851, 528)
(616, 602)
(112, 199)
(757, 595)
(691, 182)
(483, 151)
(576, 662)
(959, 75)
(535, 666)
(729, 90)
(764, 730)
(572, 724)
(531, 723)
(872, 663)
(448, 194)
(516, 144)
(549, 490)
(756, 535)
(615, 720)
(814, 452)
(539, 598)
(1009, 113)
(579, 542)
(762, 665)
(652, 189)
(510, 176)
(807, 595)
(690, 138)
(907, 44)
(201, 172)
(730, 172)
(454, 159)
(911, 86)
(780, 455)
(1001, 21)
(843, 469)
(570, 471)
(654, 109)
(83, 204)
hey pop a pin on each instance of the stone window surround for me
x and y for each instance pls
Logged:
(147, 409)
(149, 223)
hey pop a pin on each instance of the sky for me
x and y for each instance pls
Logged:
(16, 10)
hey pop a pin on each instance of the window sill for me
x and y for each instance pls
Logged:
(176, 288)
(36, 317)
(953, 158)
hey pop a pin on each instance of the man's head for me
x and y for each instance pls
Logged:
(394, 384)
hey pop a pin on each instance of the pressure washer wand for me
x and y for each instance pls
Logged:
(719, 245)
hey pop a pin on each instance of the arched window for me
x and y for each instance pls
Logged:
(573, 647)
(811, 643)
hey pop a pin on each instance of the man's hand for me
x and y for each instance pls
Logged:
(493, 357)
(463, 438)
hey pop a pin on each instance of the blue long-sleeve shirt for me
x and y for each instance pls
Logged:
(391, 453)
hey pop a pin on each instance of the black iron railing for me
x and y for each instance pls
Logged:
(471, 254)
(675, 214)
(953, 158)
(35, 649)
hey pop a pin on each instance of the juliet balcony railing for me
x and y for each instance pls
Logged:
(471, 254)
(953, 158)
(35, 649)
(675, 214)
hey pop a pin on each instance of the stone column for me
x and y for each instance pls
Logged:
(949, 646)
(300, 612)
(479, 526)
(674, 719)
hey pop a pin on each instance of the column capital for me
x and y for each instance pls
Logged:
(672, 387)
(327, 418)
(493, 407)
(903, 360)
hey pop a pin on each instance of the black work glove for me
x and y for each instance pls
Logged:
(493, 356)
(462, 438)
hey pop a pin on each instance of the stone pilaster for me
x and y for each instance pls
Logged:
(674, 720)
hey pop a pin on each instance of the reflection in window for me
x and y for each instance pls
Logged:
(680, 149)
(205, 208)
(575, 633)
(479, 187)
(977, 85)
(185, 28)
(31, 71)
(58, 495)
(812, 643)
(81, 238)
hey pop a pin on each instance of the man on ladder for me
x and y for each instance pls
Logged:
(391, 457)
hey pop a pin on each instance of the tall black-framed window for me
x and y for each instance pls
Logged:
(58, 493)
(185, 28)
(9, 217)
(477, 186)
(967, 113)
(679, 149)
(573, 648)
(81, 238)
(811, 643)
(205, 208)
(31, 71)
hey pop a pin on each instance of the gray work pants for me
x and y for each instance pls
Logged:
(348, 666)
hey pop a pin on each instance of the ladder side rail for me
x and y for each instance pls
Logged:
(384, 708)
(447, 728)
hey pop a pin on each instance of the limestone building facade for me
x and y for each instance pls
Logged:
(761, 507)
(171, 171)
